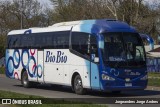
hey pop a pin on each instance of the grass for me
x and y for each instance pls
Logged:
(56, 103)
(2, 70)
(6, 94)
(154, 82)
(154, 79)
(154, 74)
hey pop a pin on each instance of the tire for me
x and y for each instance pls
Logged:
(78, 85)
(24, 81)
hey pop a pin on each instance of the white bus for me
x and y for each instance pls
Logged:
(102, 54)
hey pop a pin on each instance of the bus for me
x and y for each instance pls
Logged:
(104, 55)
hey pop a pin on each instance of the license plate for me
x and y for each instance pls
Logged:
(128, 84)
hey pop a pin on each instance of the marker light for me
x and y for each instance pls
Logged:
(106, 77)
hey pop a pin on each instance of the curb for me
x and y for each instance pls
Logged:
(153, 88)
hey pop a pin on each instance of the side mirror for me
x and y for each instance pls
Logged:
(96, 59)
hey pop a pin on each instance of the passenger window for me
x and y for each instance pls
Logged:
(84, 44)
(14, 42)
(80, 42)
(48, 40)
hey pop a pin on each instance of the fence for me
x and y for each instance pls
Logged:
(153, 64)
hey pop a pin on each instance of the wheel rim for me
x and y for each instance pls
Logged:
(25, 79)
(78, 84)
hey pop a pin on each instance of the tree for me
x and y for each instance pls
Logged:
(10, 17)
(32, 12)
(135, 12)
(69, 10)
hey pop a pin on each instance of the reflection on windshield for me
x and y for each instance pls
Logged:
(120, 47)
(113, 48)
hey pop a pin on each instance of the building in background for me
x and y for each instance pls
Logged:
(153, 59)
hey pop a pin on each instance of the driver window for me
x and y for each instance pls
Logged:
(79, 43)
(84, 44)
(94, 46)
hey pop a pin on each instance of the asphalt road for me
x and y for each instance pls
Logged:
(49, 91)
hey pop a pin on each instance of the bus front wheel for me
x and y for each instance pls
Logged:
(78, 86)
(25, 82)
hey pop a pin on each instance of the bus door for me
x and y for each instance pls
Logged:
(95, 76)
(40, 66)
(94, 64)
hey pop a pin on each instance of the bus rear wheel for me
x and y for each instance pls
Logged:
(24, 81)
(78, 86)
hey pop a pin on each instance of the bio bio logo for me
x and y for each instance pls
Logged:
(59, 58)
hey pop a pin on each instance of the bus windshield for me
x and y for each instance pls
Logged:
(123, 49)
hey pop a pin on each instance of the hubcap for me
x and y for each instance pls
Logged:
(78, 84)
(25, 79)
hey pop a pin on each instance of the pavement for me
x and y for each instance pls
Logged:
(55, 91)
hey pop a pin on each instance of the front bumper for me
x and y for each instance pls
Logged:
(121, 85)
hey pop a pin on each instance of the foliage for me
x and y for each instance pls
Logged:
(135, 12)
(30, 13)
(2, 45)
(30, 10)
(17, 15)
(2, 70)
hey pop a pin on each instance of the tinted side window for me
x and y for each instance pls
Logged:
(9, 42)
(13, 41)
(43, 40)
(27, 41)
(61, 40)
(53, 40)
(49, 40)
(80, 42)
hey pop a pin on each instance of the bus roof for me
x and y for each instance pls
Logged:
(88, 26)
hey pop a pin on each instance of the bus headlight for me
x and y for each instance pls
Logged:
(144, 78)
(106, 77)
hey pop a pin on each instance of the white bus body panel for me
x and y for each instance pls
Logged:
(43, 68)
(57, 70)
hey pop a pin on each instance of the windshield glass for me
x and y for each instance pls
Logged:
(123, 47)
